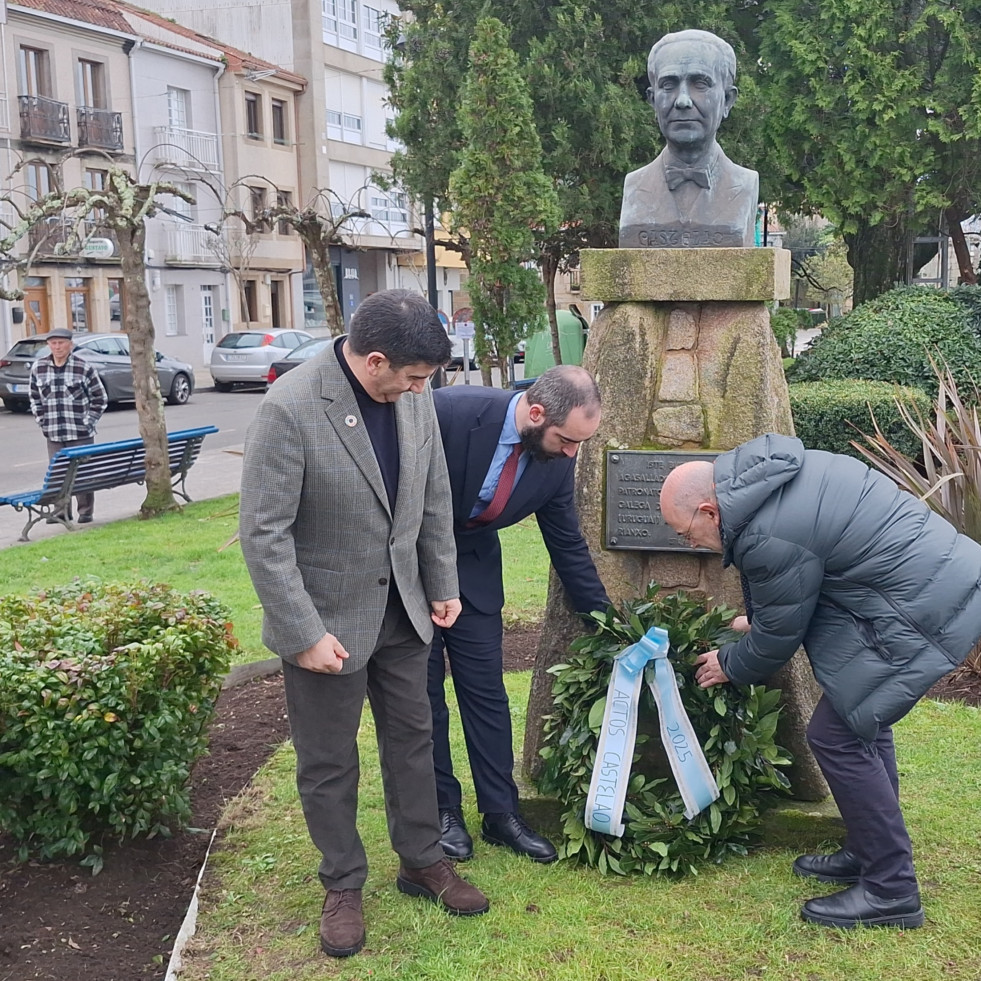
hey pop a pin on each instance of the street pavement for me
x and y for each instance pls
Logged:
(217, 471)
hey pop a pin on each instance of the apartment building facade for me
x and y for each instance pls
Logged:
(222, 130)
(95, 85)
(339, 46)
(66, 115)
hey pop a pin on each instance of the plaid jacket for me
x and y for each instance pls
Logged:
(67, 402)
(320, 540)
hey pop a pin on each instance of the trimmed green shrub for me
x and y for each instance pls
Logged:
(828, 415)
(785, 323)
(893, 337)
(106, 692)
(736, 727)
(969, 299)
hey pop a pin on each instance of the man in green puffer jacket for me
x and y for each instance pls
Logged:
(885, 597)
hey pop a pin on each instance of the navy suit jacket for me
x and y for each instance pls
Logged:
(470, 422)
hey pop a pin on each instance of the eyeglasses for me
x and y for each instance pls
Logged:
(687, 535)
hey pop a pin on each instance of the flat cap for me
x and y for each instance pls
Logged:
(60, 332)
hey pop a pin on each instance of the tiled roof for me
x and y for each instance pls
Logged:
(89, 11)
(130, 19)
(235, 59)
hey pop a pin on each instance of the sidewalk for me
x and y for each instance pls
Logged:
(216, 473)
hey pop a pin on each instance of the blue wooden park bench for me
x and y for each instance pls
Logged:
(102, 466)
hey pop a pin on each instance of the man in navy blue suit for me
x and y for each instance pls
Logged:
(509, 455)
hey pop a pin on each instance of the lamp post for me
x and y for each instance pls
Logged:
(430, 229)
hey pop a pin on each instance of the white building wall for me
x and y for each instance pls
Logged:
(337, 45)
(180, 257)
(264, 28)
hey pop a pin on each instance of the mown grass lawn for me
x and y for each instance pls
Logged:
(558, 923)
(186, 550)
(261, 904)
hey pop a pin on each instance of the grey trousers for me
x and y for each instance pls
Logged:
(86, 502)
(325, 712)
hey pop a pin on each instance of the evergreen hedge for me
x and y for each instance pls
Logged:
(893, 337)
(106, 692)
(828, 415)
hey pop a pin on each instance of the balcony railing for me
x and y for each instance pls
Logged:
(50, 237)
(100, 128)
(192, 245)
(44, 119)
(187, 149)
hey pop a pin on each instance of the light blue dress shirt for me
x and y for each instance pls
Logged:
(509, 436)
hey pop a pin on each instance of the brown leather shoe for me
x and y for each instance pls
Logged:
(341, 923)
(441, 884)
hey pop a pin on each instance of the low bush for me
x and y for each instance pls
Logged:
(735, 725)
(828, 415)
(106, 692)
(893, 337)
(785, 322)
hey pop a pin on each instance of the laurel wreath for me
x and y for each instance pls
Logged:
(736, 726)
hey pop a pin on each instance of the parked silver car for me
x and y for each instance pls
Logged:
(109, 353)
(244, 356)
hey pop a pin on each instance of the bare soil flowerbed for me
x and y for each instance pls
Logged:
(60, 923)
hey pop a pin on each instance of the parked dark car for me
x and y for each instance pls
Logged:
(297, 356)
(109, 352)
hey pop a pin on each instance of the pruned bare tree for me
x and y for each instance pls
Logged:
(123, 205)
(320, 224)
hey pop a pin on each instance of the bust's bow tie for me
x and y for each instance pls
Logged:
(676, 176)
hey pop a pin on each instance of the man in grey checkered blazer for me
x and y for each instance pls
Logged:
(346, 531)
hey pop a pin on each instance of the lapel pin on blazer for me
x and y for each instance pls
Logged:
(350, 421)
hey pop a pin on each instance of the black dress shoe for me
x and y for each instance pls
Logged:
(841, 866)
(856, 907)
(453, 836)
(85, 519)
(510, 831)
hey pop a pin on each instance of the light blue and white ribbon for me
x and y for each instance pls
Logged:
(615, 750)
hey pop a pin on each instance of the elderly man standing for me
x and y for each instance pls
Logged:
(345, 533)
(884, 595)
(67, 401)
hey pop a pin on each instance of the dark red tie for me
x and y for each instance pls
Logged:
(503, 491)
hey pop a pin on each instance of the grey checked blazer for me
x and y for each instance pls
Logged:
(318, 536)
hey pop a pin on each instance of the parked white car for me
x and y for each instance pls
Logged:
(244, 356)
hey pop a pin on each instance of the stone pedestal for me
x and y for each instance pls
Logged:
(685, 358)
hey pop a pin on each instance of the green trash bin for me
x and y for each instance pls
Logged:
(572, 339)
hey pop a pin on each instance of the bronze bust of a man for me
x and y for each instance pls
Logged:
(692, 195)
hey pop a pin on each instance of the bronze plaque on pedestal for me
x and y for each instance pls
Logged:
(633, 489)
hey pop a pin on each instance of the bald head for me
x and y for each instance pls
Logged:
(689, 505)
